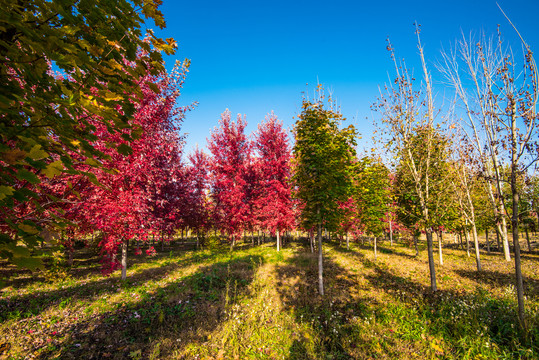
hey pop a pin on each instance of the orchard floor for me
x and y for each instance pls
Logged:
(257, 303)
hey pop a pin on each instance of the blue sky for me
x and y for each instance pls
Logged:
(253, 57)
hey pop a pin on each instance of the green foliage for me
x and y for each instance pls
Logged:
(373, 193)
(421, 185)
(323, 162)
(65, 65)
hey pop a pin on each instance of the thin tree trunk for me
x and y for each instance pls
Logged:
(390, 233)
(505, 239)
(124, 260)
(375, 248)
(440, 248)
(467, 237)
(311, 240)
(278, 241)
(488, 243)
(70, 255)
(347, 241)
(498, 240)
(528, 240)
(320, 262)
(233, 242)
(476, 244)
(514, 223)
(430, 254)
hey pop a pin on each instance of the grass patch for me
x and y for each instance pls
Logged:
(257, 303)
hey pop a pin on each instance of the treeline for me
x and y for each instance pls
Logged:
(91, 145)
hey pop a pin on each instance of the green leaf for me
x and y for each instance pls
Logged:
(153, 86)
(28, 262)
(125, 149)
(23, 174)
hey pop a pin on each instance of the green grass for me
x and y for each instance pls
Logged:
(255, 303)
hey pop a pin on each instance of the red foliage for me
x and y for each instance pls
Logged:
(229, 166)
(273, 205)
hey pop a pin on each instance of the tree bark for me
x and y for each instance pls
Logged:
(375, 248)
(467, 237)
(514, 221)
(70, 256)
(488, 243)
(347, 241)
(516, 245)
(505, 239)
(432, 270)
(278, 241)
(320, 262)
(476, 244)
(528, 240)
(233, 242)
(440, 248)
(498, 240)
(390, 233)
(124, 260)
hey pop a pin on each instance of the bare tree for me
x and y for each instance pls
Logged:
(463, 184)
(415, 140)
(501, 104)
(479, 63)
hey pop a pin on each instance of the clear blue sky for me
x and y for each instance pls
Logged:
(253, 57)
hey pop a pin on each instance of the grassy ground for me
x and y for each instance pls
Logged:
(255, 303)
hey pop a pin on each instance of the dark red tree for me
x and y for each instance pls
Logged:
(273, 205)
(231, 151)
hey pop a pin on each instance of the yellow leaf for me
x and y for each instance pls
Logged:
(5, 190)
(53, 169)
(37, 153)
(28, 229)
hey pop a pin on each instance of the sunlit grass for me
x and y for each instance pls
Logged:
(255, 303)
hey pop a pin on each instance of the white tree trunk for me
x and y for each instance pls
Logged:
(320, 262)
(440, 248)
(390, 233)
(124, 260)
(375, 248)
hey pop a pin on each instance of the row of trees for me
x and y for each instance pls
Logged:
(95, 148)
(496, 147)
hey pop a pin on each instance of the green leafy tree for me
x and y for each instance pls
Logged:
(373, 194)
(64, 66)
(323, 163)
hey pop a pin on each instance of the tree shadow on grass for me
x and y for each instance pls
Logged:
(382, 249)
(456, 314)
(329, 316)
(159, 323)
(86, 262)
(497, 278)
(35, 302)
